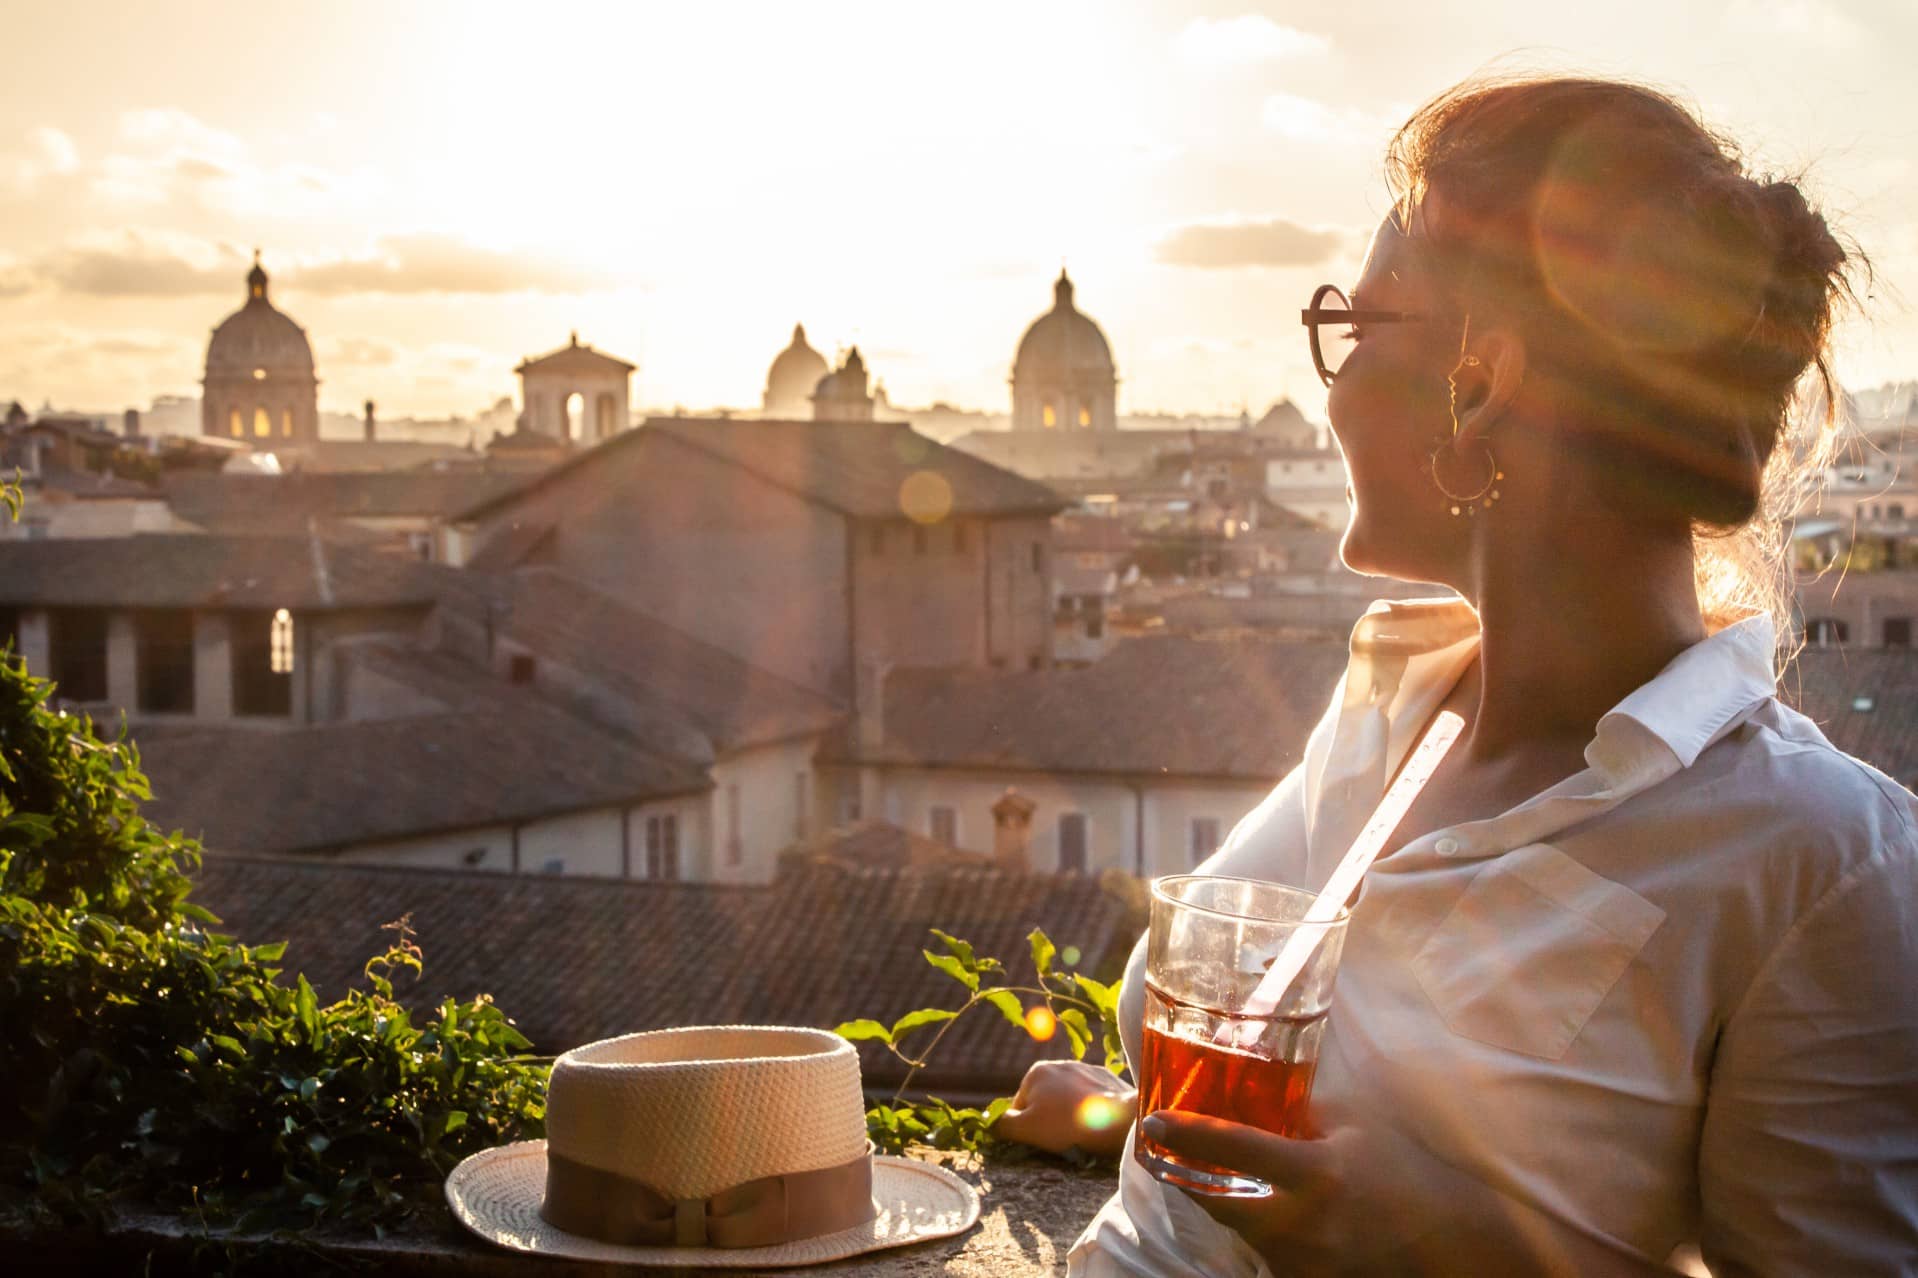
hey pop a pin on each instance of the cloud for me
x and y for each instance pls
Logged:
(1307, 120)
(49, 153)
(163, 155)
(139, 264)
(360, 352)
(136, 263)
(1231, 245)
(432, 263)
(1248, 38)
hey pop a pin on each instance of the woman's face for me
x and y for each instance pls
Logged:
(1389, 408)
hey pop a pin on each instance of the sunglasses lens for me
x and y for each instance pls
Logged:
(1336, 336)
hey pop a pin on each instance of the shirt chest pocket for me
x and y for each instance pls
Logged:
(1531, 949)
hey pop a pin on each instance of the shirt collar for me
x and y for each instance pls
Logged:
(1663, 725)
(1696, 699)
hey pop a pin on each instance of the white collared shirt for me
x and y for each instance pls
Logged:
(1671, 1000)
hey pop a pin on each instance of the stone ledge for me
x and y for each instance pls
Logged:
(1029, 1215)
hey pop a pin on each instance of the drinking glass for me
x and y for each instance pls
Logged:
(1210, 1046)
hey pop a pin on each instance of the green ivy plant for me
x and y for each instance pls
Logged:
(1084, 1009)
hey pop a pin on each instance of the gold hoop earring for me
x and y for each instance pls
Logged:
(1469, 503)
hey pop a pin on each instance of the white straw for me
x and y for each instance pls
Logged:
(1298, 948)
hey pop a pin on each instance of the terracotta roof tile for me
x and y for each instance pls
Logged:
(162, 570)
(575, 960)
(1185, 705)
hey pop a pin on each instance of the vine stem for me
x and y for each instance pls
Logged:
(913, 1066)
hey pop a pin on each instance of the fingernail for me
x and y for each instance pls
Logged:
(1154, 1127)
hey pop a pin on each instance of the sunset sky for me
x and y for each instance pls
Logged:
(442, 189)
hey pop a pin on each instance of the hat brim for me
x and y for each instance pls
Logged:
(496, 1193)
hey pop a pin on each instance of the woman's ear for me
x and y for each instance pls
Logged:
(1486, 381)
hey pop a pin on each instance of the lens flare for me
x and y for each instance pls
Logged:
(1069, 956)
(1096, 1113)
(925, 497)
(1041, 1023)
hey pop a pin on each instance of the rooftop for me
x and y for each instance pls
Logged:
(576, 960)
(160, 570)
(652, 668)
(495, 754)
(257, 504)
(1236, 709)
(855, 468)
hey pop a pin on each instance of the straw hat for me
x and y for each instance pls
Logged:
(731, 1146)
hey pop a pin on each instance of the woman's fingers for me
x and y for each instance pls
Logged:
(1280, 1161)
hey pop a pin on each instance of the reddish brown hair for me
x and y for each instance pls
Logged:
(1680, 304)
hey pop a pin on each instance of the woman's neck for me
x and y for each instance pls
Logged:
(1568, 631)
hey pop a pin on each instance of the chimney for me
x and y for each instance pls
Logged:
(130, 423)
(869, 703)
(1012, 832)
(370, 433)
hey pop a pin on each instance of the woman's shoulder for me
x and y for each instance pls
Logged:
(1828, 810)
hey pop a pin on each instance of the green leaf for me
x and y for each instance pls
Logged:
(199, 913)
(961, 950)
(1099, 994)
(455, 1120)
(863, 1028)
(1009, 1006)
(1074, 1022)
(228, 1042)
(998, 1107)
(913, 1020)
(952, 967)
(309, 1088)
(317, 1142)
(307, 1007)
(1042, 950)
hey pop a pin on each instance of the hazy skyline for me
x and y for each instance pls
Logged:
(443, 189)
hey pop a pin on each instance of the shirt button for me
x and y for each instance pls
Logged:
(1446, 846)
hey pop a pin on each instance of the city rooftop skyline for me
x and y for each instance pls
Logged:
(443, 190)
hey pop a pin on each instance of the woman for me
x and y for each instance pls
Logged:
(1636, 973)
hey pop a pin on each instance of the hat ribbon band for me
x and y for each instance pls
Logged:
(614, 1208)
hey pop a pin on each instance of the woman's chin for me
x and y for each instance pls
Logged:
(1371, 556)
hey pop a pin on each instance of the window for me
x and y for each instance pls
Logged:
(1038, 556)
(521, 668)
(662, 847)
(735, 846)
(1072, 843)
(258, 641)
(1205, 838)
(848, 808)
(944, 826)
(876, 539)
(78, 638)
(262, 423)
(1821, 632)
(1035, 662)
(1897, 632)
(802, 802)
(164, 650)
(282, 642)
(233, 426)
(1048, 416)
(1896, 510)
(1095, 618)
(286, 422)
(918, 539)
(1085, 417)
(554, 865)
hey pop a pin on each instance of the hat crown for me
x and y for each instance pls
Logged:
(693, 1112)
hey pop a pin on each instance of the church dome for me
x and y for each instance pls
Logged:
(259, 337)
(792, 377)
(1063, 344)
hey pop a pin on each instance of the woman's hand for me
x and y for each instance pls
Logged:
(1063, 1104)
(1343, 1202)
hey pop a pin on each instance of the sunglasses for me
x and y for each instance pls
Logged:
(1332, 309)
